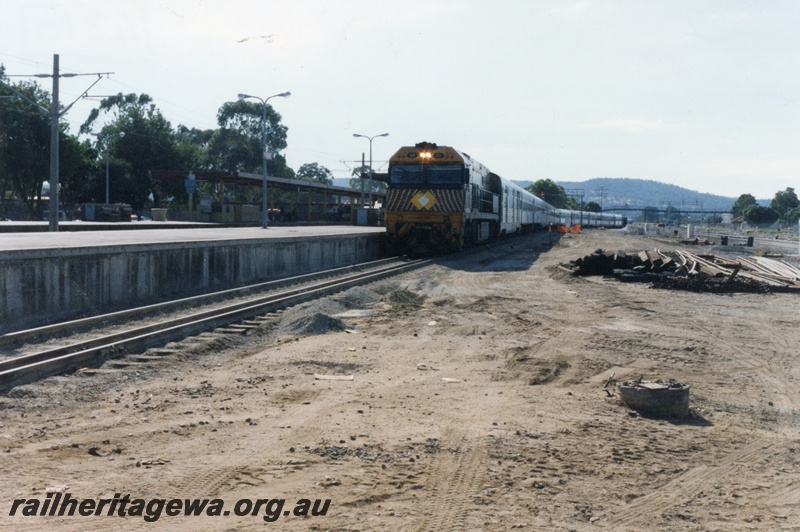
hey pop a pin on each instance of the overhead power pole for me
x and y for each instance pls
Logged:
(602, 196)
(53, 225)
(54, 115)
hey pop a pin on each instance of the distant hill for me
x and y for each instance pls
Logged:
(622, 191)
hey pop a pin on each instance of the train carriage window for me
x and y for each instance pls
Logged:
(405, 174)
(444, 175)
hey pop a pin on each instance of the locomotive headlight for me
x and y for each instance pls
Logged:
(425, 154)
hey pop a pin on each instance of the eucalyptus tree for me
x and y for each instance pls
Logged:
(315, 172)
(24, 142)
(744, 202)
(551, 192)
(592, 207)
(783, 202)
(25, 148)
(149, 144)
(238, 144)
(758, 214)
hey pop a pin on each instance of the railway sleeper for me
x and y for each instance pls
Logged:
(242, 327)
(124, 364)
(147, 358)
(231, 330)
(161, 351)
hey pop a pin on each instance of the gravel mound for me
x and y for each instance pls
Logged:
(316, 323)
(359, 297)
(314, 317)
(402, 296)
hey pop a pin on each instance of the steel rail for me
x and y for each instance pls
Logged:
(33, 366)
(66, 326)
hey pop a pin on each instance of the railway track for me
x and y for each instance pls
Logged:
(284, 293)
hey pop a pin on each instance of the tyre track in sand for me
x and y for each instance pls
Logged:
(645, 511)
(772, 366)
(455, 477)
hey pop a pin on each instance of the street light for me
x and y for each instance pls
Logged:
(370, 160)
(107, 137)
(264, 214)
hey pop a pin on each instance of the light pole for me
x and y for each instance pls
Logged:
(107, 138)
(264, 213)
(370, 160)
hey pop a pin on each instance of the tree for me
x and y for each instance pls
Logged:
(550, 191)
(239, 143)
(149, 144)
(792, 216)
(672, 214)
(650, 214)
(315, 172)
(356, 182)
(742, 204)
(592, 207)
(193, 147)
(784, 202)
(24, 143)
(77, 179)
(758, 214)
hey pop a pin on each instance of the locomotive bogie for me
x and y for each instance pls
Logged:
(424, 233)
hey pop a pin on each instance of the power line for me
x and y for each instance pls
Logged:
(55, 115)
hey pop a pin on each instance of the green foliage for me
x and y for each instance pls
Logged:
(744, 202)
(672, 214)
(315, 172)
(550, 191)
(758, 214)
(592, 207)
(239, 143)
(77, 180)
(149, 144)
(650, 214)
(356, 182)
(792, 216)
(784, 201)
(24, 142)
(193, 146)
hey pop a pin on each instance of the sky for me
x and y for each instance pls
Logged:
(696, 93)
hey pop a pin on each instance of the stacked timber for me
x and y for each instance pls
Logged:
(689, 271)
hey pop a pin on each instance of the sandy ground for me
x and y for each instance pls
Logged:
(524, 437)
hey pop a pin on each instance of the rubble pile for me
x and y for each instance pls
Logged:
(681, 270)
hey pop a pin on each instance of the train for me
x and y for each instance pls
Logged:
(441, 200)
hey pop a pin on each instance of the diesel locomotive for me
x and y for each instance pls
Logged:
(440, 200)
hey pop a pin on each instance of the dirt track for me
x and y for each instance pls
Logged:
(526, 438)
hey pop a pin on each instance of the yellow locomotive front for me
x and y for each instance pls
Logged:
(425, 200)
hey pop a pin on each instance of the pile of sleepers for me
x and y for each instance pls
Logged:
(681, 270)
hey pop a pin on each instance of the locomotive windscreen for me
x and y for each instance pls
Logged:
(445, 175)
(405, 175)
(409, 175)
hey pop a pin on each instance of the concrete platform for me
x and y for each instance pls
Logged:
(183, 233)
(43, 227)
(47, 277)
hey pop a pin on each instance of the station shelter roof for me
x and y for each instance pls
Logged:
(248, 179)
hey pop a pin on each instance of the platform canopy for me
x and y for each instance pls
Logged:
(255, 180)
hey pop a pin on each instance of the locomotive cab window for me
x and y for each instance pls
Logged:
(405, 175)
(445, 175)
